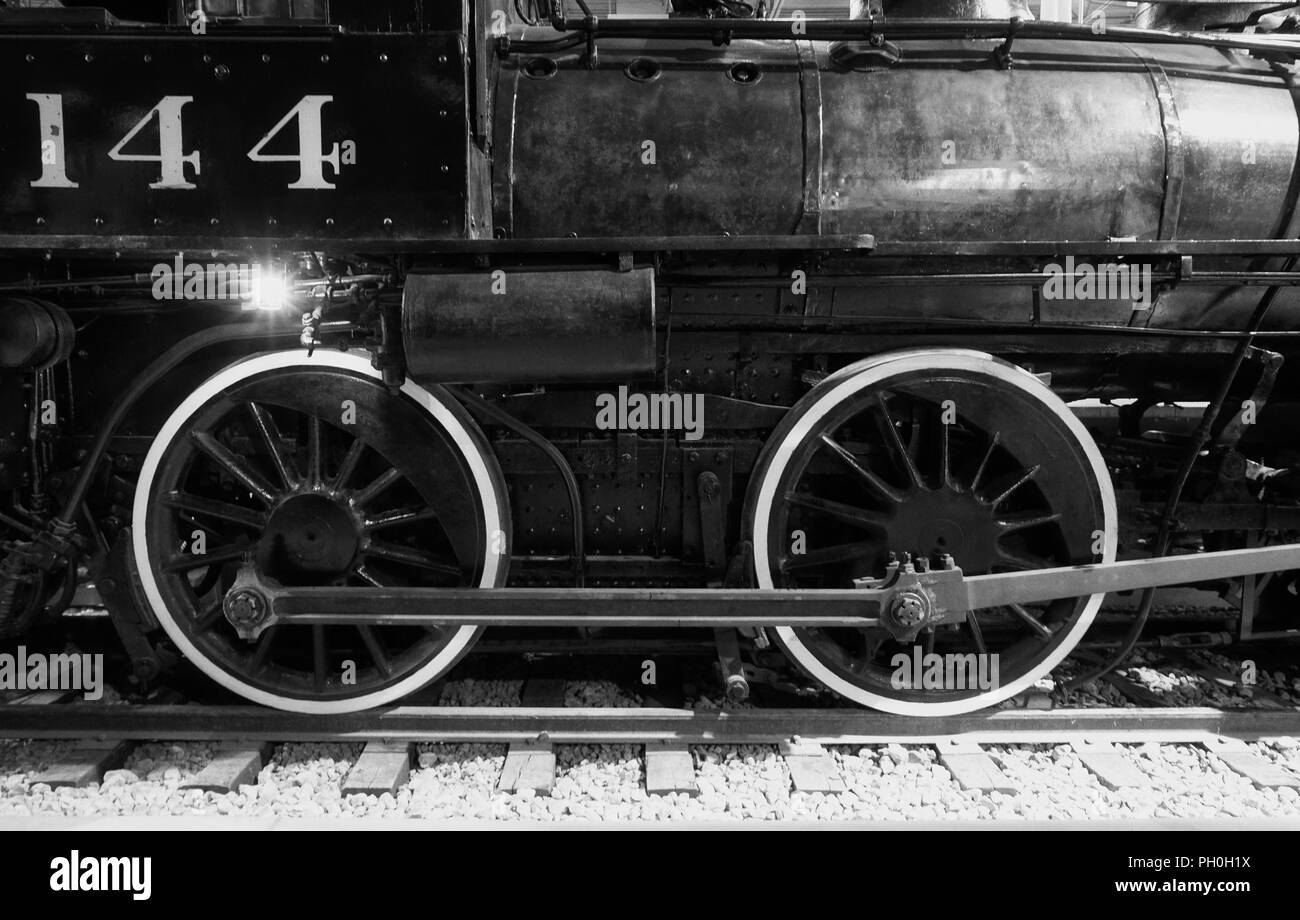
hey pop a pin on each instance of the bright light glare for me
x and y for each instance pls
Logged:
(269, 288)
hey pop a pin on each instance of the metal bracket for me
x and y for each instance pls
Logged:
(1002, 53)
(917, 598)
(626, 455)
(131, 620)
(713, 526)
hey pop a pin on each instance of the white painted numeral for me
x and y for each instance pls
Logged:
(54, 162)
(171, 158)
(310, 158)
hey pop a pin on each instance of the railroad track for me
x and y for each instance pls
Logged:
(101, 737)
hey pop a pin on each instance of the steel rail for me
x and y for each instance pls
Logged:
(443, 724)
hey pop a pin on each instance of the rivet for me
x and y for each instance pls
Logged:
(148, 58)
(90, 58)
(266, 59)
(388, 221)
(383, 59)
(214, 222)
(324, 58)
(30, 58)
(329, 221)
(40, 221)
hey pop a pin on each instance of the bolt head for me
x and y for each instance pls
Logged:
(909, 609)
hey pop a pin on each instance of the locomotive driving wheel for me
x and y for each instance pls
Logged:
(933, 454)
(309, 470)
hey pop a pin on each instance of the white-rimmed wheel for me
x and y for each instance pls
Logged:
(931, 453)
(309, 468)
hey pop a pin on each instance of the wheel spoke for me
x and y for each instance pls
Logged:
(207, 507)
(413, 557)
(372, 491)
(1013, 560)
(905, 456)
(849, 514)
(369, 577)
(235, 466)
(349, 465)
(945, 458)
(270, 432)
(871, 479)
(189, 562)
(831, 555)
(1030, 620)
(400, 516)
(973, 624)
(988, 455)
(1029, 475)
(257, 663)
(209, 616)
(375, 649)
(1025, 519)
(314, 434)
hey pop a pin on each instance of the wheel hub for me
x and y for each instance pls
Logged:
(947, 522)
(309, 538)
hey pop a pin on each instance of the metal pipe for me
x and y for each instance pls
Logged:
(474, 402)
(725, 31)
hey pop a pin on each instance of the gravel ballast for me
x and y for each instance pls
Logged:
(605, 783)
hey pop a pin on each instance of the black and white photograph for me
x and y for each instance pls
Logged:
(650, 415)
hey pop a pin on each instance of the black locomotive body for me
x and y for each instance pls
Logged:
(406, 299)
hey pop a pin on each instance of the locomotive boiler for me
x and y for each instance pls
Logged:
(333, 336)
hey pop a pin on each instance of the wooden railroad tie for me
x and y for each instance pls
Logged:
(669, 768)
(232, 765)
(1239, 758)
(85, 764)
(529, 765)
(972, 768)
(812, 769)
(1110, 765)
(384, 766)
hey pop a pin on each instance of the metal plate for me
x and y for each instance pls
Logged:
(409, 151)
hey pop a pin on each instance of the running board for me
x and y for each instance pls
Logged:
(904, 602)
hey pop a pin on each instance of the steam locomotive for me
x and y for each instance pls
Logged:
(333, 334)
